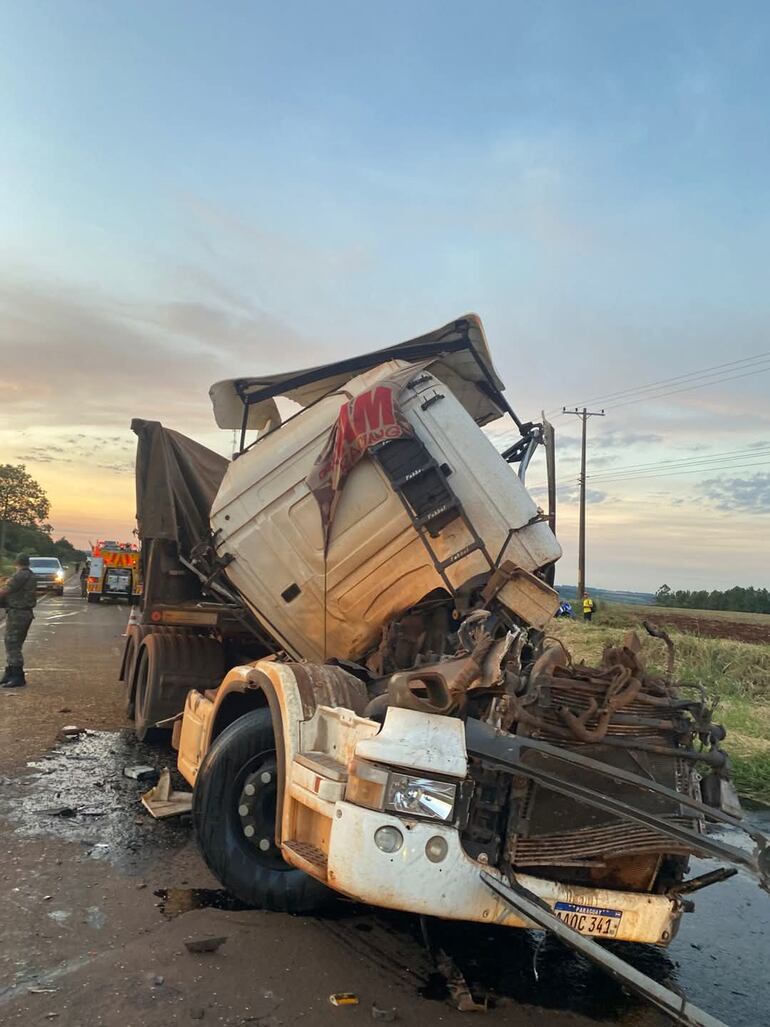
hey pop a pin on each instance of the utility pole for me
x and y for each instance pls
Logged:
(583, 415)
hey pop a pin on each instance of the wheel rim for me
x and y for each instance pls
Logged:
(257, 801)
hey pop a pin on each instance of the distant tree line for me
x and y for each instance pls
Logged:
(35, 542)
(24, 507)
(737, 599)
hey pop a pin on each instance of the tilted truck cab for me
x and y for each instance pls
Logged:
(345, 628)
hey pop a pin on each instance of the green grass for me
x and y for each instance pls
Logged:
(735, 674)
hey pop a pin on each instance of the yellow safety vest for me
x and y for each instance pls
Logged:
(588, 605)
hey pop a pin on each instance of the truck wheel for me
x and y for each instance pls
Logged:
(168, 665)
(92, 598)
(234, 811)
(134, 636)
(143, 725)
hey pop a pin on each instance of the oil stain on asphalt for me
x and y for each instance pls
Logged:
(78, 793)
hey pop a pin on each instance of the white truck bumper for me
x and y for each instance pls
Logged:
(452, 889)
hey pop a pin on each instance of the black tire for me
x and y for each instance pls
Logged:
(169, 664)
(260, 879)
(143, 729)
(92, 598)
(135, 635)
(128, 666)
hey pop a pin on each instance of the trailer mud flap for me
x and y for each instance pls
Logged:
(528, 905)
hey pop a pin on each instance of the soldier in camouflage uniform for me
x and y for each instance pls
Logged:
(18, 597)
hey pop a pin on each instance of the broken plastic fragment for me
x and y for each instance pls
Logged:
(141, 773)
(344, 998)
(204, 944)
(162, 801)
(384, 1015)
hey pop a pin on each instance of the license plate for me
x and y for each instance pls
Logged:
(601, 923)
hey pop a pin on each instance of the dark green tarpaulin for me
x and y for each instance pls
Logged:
(176, 482)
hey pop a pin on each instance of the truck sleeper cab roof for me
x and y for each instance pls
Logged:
(457, 353)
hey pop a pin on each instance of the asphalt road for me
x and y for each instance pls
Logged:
(97, 899)
(71, 654)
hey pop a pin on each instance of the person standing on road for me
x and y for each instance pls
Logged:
(18, 597)
(588, 607)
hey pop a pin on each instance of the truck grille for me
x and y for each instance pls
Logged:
(592, 846)
(621, 717)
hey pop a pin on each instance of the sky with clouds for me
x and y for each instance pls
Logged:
(191, 191)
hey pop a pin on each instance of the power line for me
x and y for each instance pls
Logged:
(606, 397)
(756, 369)
(745, 453)
(675, 473)
(663, 474)
(689, 388)
(708, 372)
(708, 460)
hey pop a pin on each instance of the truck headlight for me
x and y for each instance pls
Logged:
(60, 575)
(406, 794)
(420, 796)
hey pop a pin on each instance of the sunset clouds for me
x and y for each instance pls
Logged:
(185, 198)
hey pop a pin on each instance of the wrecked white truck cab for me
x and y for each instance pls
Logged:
(351, 616)
(428, 508)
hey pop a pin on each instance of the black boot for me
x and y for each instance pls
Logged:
(16, 679)
(6, 677)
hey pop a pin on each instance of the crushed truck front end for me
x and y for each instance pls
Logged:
(396, 834)
(390, 813)
(432, 875)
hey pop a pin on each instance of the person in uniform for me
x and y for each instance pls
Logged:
(588, 607)
(84, 579)
(18, 596)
